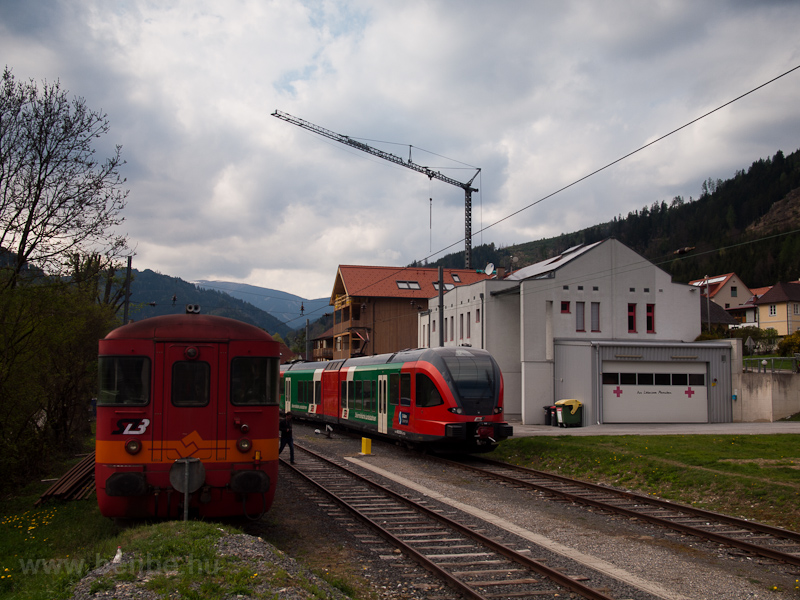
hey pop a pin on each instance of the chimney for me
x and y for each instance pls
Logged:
(501, 272)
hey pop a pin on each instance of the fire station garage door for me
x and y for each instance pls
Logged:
(654, 392)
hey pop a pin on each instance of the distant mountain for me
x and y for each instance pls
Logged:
(154, 294)
(281, 305)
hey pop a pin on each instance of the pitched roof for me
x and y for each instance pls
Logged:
(551, 264)
(715, 283)
(781, 292)
(398, 282)
(719, 316)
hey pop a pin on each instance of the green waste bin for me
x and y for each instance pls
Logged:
(569, 413)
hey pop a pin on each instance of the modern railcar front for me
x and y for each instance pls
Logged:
(447, 398)
(187, 397)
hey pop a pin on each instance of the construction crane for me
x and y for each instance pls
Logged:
(348, 141)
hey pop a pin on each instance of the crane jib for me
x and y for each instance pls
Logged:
(348, 141)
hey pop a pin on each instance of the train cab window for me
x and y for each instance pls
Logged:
(254, 380)
(124, 380)
(191, 383)
(427, 394)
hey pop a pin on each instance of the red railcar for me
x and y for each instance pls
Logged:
(187, 408)
(447, 399)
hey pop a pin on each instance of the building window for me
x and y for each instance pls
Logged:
(477, 315)
(797, 309)
(452, 329)
(595, 316)
(631, 318)
(579, 322)
(444, 329)
(408, 285)
(469, 326)
(773, 310)
(734, 292)
(456, 278)
(651, 318)
(433, 326)
(461, 326)
(565, 307)
(447, 286)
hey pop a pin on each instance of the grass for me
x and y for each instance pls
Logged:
(45, 551)
(756, 477)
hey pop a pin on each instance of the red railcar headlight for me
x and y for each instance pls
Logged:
(244, 445)
(498, 410)
(457, 410)
(133, 446)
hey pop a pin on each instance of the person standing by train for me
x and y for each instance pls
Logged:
(285, 428)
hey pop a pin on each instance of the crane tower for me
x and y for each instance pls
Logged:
(348, 141)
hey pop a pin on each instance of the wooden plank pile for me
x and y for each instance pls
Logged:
(75, 484)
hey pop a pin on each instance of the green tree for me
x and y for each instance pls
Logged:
(48, 336)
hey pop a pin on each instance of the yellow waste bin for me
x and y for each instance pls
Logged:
(569, 413)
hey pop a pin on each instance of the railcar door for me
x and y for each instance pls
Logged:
(193, 394)
(287, 394)
(383, 403)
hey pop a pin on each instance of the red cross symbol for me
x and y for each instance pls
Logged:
(617, 391)
(689, 392)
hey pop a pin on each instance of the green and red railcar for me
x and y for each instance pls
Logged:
(448, 399)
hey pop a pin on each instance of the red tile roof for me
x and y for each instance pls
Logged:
(382, 282)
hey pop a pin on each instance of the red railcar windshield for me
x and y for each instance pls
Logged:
(474, 375)
(124, 380)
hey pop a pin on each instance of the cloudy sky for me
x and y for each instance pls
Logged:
(535, 93)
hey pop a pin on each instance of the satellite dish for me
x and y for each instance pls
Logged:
(489, 269)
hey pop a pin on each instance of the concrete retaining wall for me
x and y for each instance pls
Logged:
(766, 397)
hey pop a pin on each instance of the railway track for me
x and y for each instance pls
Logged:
(755, 538)
(456, 549)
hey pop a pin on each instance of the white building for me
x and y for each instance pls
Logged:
(567, 326)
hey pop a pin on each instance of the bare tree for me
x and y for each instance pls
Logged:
(56, 197)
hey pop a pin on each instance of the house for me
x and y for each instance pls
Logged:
(598, 323)
(746, 315)
(375, 308)
(779, 308)
(726, 290)
(322, 346)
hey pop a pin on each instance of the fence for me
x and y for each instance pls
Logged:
(772, 364)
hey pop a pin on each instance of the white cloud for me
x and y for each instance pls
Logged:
(537, 94)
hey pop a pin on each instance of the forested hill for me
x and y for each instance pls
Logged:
(738, 225)
(152, 295)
